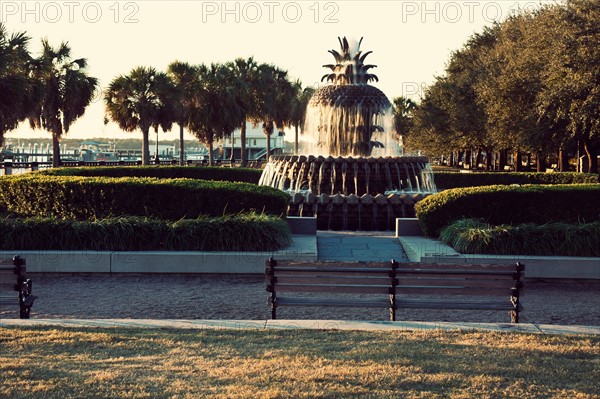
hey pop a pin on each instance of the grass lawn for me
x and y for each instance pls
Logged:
(50, 362)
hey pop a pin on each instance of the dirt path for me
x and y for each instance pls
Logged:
(243, 297)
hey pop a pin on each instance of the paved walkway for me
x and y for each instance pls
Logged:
(343, 325)
(377, 246)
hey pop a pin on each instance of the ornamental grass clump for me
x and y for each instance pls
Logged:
(474, 236)
(243, 232)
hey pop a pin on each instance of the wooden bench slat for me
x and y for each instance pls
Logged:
(460, 282)
(342, 289)
(8, 285)
(351, 303)
(453, 266)
(334, 280)
(465, 305)
(498, 274)
(360, 270)
(442, 290)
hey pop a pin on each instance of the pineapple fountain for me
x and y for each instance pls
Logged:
(353, 178)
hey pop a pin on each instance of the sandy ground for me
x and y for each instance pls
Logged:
(243, 297)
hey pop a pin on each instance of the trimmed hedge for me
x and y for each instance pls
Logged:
(473, 236)
(245, 175)
(249, 232)
(448, 180)
(510, 205)
(101, 197)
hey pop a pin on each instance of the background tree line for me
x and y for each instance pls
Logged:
(529, 85)
(211, 101)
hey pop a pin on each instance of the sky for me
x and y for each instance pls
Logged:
(411, 40)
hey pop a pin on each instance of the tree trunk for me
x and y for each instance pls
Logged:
(211, 159)
(592, 157)
(181, 145)
(232, 157)
(517, 161)
(295, 140)
(243, 145)
(540, 161)
(502, 159)
(467, 159)
(55, 150)
(145, 147)
(563, 160)
(489, 159)
(478, 158)
(268, 147)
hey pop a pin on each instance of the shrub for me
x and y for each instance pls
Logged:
(448, 180)
(510, 205)
(164, 172)
(100, 197)
(473, 236)
(248, 232)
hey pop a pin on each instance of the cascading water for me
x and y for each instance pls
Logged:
(353, 178)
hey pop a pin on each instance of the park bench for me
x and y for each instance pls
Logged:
(15, 287)
(395, 286)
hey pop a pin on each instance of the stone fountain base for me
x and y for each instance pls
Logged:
(366, 213)
(348, 193)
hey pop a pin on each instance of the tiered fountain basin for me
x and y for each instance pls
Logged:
(345, 193)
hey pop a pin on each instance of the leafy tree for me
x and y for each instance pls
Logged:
(431, 132)
(571, 95)
(184, 78)
(67, 90)
(19, 91)
(140, 100)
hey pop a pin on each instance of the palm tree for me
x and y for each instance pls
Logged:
(67, 90)
(215, 110)
(19, 91)
(184, 77)
(140, 100)
(274, 101)
(250, 82)
(298, 109)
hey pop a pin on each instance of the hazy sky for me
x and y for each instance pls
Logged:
(411, 40)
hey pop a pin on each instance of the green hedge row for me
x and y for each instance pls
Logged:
(245, 175)
(472, 236)
(448, 180)
(510, 205)
(101, 197)
(249, 232)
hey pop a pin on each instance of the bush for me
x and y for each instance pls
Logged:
(473, 236)
(163, 172)
(510, 205)
(249, 232)
(101, 197)
(448, 180)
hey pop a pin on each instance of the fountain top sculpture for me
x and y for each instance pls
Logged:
(349, 67)
(347, 116)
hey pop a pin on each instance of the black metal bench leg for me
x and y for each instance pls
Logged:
(24, 312)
